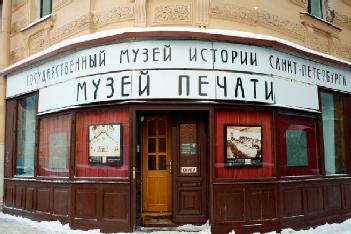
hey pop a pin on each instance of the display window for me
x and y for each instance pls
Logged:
(333, 134)
(244, 145)
(298, 147)
(26, 132)
(102, 143)
(54, 146)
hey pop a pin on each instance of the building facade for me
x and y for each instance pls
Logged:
(121, 114)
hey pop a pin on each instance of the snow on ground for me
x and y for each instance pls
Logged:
(16, 225)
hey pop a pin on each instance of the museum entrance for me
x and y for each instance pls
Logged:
(172, 166)
(157, 166)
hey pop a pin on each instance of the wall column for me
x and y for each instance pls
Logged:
(4, 62)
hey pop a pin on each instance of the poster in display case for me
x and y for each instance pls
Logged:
(243, 145)
(105, 144)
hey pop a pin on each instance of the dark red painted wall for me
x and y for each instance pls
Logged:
(244, 118)
(83, 120)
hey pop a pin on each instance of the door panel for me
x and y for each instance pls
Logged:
(157, 177)
(190, 190)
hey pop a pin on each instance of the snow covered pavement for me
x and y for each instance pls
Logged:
(18, 225)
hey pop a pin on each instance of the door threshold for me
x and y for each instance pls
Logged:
(157, 219)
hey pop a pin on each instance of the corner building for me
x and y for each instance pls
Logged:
(121, 114)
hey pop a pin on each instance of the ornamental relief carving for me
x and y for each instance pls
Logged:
(231, 12)
(71, 28)
(256, 17)
(281, 25)
(342, 20)
(38, 41)
(343, 50)
(17, 54)
(116, 14)
(300, 3)
(347, 2)
(58, 4)
(169, 14)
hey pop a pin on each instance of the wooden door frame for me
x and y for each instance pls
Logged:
(137, 110)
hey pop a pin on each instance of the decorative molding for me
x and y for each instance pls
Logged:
(317, 40)
(301, 3)
(172, 14)
(342, 20)
(16, 4)
(115, 14)
(202, 12)
(316, 23)
(257, 16)
(140, 13)
(347, 2)
(58, 4)
(18, 25)
(71, 28)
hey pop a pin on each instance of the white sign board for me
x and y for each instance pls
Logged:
(177, 69)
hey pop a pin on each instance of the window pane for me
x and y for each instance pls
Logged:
(316, 8)
(45, 8)
(162, 162)
(26, 122)
(151, 128)
(161, 145)
(296, 148)
(161, 127)
(151, 146)
(151, 162)
(333, 134)
(54, 146)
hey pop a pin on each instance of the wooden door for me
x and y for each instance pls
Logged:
(190, 168)
(156, 151)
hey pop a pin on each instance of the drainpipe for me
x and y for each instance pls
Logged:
(4, 62)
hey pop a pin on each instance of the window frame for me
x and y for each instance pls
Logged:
(14, 168)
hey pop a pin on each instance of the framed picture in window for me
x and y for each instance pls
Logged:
(243, 145)
(105, 144)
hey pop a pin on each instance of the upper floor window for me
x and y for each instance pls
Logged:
(39, 9)
(315, 8)
(45, 7)
(321, 9)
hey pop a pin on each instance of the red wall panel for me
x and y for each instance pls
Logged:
(244, 118)
(83, 120)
